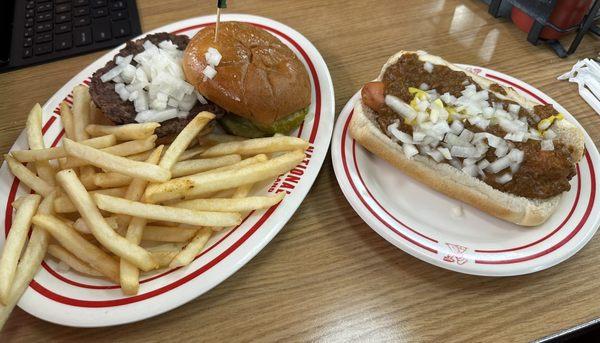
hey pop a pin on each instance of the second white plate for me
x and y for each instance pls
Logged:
(419, 220)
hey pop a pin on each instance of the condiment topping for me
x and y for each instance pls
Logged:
(153, 80)
(434, 111)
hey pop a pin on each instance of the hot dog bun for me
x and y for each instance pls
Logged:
(451, 181)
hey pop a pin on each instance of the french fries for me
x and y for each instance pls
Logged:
(164, 253)
(190, 167)
(172, 214)
(78, 246)
(243, 204)
(33, 127)
(123, 149)
(87, 177)
(129, 274)
(186, 256)
(27, 177)
(225, 193)
(66, 116)
(110, 180)
(190, 153)
(63, 204)
(117, 164)
(186, 155)
(123, 132)
(81, 112)
(195, 246)
(82, 227)
(174, 234)
(212, 182)
(138, 186)
(173, 218)
(14, 244)
(100, 229)
(59, 152)
(30, 261)
(256, 146)
(71, 260)
(184, 139)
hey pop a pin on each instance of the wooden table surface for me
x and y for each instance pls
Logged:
(327, 276)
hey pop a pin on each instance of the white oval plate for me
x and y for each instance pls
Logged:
(75, 300)
(419, 220)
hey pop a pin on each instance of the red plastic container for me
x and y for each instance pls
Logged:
(567, 13)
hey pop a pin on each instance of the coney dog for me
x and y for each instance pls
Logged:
(468, 137)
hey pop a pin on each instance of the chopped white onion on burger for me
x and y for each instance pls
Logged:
(213, 57)
(122, 91)
(209, 72)
(200, 98)
(156, 85)
(156, 116)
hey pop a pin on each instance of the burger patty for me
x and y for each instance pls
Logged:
(123, 112)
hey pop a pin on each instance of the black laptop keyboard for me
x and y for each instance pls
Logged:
(52, 29)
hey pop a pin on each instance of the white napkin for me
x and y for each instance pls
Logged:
(586, 73)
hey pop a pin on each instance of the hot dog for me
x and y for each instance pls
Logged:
(468, 137)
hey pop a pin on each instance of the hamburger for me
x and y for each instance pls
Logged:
(259, 82)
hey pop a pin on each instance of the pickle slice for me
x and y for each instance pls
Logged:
(239, 126)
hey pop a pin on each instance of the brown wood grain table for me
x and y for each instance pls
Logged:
(327, 276)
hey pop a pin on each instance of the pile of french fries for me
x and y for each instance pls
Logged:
(110, 203)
